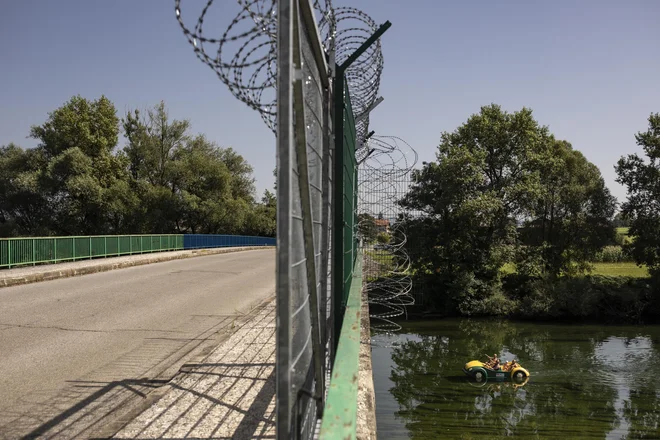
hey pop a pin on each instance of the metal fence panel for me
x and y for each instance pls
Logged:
(44, 250)
(200, 241)
(303, 163)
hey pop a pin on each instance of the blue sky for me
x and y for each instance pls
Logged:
(590, 69)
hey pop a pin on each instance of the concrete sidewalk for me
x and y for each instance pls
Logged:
(226, 394)
(45, 272)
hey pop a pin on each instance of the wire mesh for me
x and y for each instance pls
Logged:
(303, 211)
(255, 55)
(385, 176)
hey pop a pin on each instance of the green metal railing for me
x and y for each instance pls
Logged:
(43, 250)
(345, 244)
(340, 414)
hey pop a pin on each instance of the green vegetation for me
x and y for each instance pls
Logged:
(165, 180)
(642, 179)
(620, 270)
(513, 219)
(367, 229)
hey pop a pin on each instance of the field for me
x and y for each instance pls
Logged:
(620, 270)
(624, 232)
(611, 269)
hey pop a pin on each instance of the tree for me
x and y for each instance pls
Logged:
(165, 180)
(621, 220)
(472, 195)
(642, 180)
(262, 220)
(82, 184)
(383, 238)
(23, 209)
(570, 220)
(186, 182)
(367, 229)
(494, 173)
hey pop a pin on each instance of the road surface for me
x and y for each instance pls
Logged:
(79, 355)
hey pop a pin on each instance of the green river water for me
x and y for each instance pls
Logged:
(586, 381)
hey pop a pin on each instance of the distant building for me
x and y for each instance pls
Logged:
(383, 225)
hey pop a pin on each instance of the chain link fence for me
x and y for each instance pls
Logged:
(278, 57)
(304, 200)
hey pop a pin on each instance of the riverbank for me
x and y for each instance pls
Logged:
(594, 298)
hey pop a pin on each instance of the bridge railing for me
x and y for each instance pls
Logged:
(201, 241)
(27, 251)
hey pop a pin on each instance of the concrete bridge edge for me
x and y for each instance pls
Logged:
(366, 414)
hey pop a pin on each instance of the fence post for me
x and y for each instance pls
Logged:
(55, 249)
(73, 248)
(338, 195)
(34, 252)
(141, 244)
(105, 246)
(90, 247)
(9, 253)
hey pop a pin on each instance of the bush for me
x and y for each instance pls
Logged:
(602, 298)
(612, 254)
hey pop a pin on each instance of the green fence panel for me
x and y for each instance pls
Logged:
(82, 247)
(136, 245)
(4, 253)
(346, 200)
(44, 250)
(97, 246)
(112, 245)
(39, 250)
(124, 244)
(22, 251)
(64, 251)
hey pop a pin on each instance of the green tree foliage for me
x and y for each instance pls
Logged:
(76, 179)
(621, 220)
(503, 191)
(570, 221)
(22, 204)
(165, 180)
(367, 229)
(642, 179)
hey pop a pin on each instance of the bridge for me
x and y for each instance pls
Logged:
(179, 348)
(81, 354)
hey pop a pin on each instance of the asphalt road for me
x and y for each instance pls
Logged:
(78, 354)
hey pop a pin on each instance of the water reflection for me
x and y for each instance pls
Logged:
(586, 381)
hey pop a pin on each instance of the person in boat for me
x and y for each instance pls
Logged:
(495, 362)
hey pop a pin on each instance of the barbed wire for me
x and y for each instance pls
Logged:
(384, 178)
(243, 56)
(352, 28)
(240, 48)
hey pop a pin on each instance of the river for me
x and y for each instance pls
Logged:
(586, 381)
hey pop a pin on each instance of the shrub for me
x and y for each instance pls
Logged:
(612, 254)
(602, 298)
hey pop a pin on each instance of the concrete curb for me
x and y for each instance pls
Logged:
(366, 421)
(105, 265)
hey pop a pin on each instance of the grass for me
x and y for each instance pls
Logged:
(624, 231)
(611, 269)
(620, 270)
